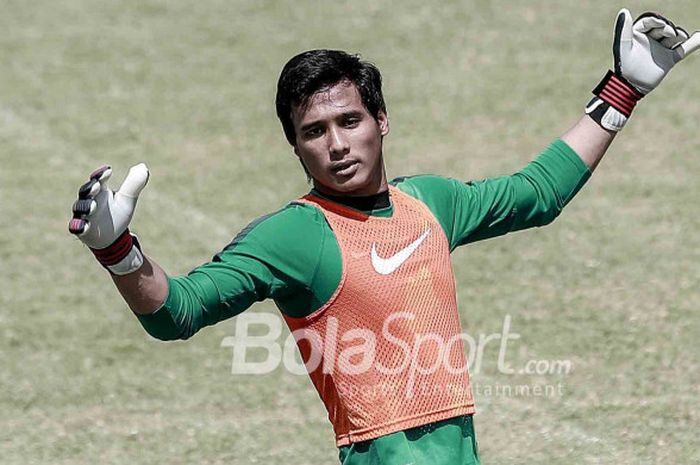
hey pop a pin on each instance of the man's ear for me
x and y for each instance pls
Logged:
(383, 122)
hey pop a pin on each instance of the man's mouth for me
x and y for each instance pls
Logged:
(344, 168)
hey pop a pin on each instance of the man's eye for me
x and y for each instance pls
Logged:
(313, 132)
(350, 122)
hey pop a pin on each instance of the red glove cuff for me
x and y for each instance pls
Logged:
(117, 251)
(618, 93)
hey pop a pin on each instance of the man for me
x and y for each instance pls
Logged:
(360, 256)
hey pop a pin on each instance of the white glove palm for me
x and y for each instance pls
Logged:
(101, 218)
(645, 50)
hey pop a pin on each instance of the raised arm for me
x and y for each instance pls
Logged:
(644, 52)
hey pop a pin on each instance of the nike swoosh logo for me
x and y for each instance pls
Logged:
(385, 266)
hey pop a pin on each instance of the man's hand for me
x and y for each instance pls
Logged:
(101, 219)
(644, 52)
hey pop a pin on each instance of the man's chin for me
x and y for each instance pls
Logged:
(357, 184)
(342, 186)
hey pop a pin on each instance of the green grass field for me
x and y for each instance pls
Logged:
(474, 89)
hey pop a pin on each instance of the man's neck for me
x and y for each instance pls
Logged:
(365, 203)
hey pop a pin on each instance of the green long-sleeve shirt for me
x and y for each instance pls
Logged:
(292, 256)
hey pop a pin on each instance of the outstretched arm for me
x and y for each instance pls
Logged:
(255, 266)
(644, 51)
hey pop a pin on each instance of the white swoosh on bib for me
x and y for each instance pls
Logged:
(385, 266)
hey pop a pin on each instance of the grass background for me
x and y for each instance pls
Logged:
(474, 89)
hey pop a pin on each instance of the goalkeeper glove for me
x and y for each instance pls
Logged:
(101, 219)
(644, 52)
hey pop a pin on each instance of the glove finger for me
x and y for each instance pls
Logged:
(83, 208)
(688, 47)
(647, 24)
(651, 14)
(78, 226)
(102, 174)
(673, 42)
(89, 190)
(98, 181)
(655, 28)
(135, 181)
(659, 33)
(623, 36)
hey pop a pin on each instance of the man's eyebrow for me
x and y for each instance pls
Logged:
(345, 114)
(310, 125)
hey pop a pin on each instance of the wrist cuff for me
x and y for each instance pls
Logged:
(618, 93)
(123, 256)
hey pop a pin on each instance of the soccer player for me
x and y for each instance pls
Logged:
(359, 253)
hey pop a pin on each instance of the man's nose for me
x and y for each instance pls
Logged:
(338, 144)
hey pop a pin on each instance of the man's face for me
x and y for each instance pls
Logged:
(340, 142)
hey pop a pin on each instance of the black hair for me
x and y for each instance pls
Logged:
(315, 70)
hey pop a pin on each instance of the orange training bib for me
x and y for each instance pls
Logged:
(385, 353)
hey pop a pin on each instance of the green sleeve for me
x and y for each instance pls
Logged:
(277, 256)
(477, 210)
